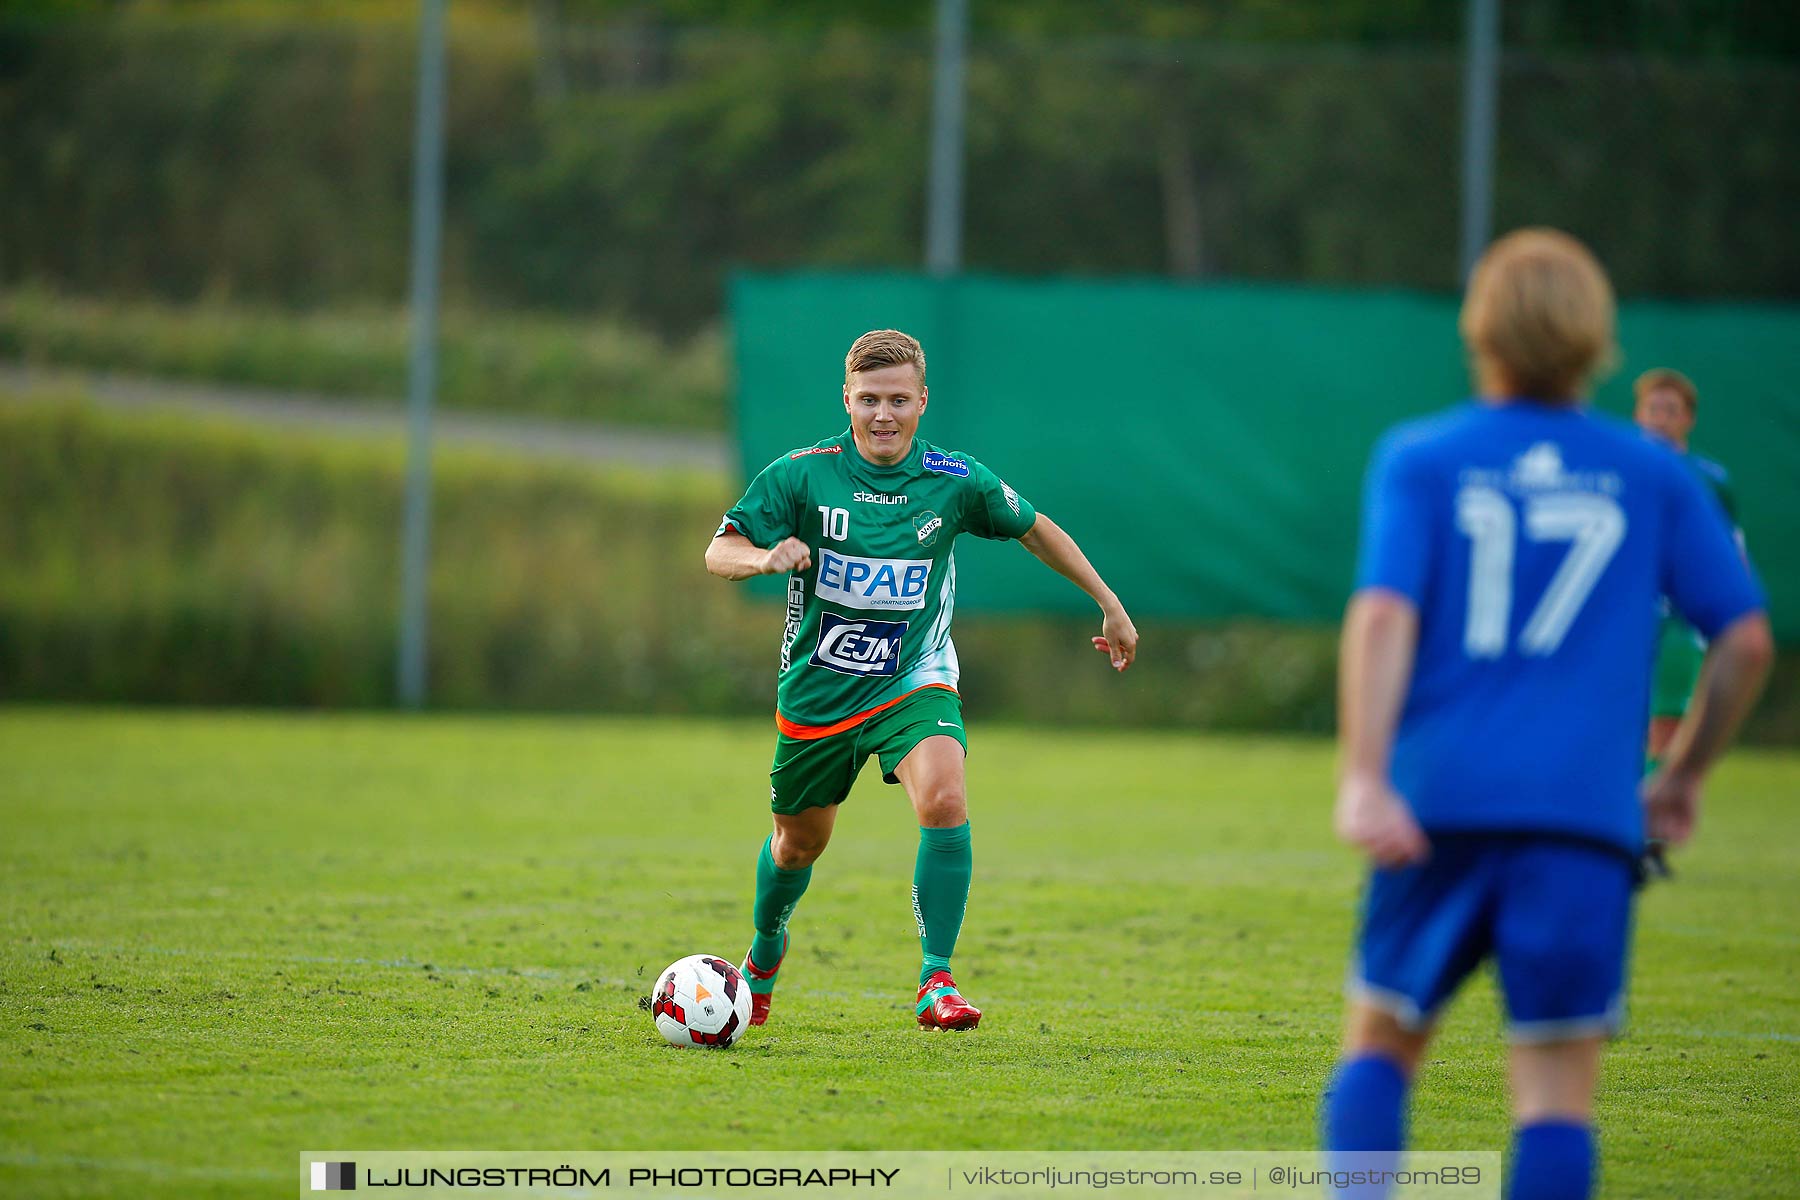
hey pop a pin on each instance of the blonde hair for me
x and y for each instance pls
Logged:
(1675, 381)
(880, 348)
(1539, 314)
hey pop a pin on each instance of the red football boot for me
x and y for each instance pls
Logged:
(941, 1006)
(759, 1001)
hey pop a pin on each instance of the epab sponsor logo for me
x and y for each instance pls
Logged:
(858, 647)
(943, 464)
(882, 584)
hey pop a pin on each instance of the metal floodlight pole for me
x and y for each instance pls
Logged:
(944, 211)
(1480, 88)
(428, 208)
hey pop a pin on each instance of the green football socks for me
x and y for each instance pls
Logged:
(777, 891)
(941, 893)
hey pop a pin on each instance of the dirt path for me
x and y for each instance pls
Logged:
(383, 418)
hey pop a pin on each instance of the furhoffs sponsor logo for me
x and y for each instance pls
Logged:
(334, 1177)
(945, 465)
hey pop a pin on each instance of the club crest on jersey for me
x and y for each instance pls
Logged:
(943, 464)
(928, 524)
(852, 647)
(885, 584)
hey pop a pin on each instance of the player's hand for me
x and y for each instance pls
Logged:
(792, 554)
(1671, 806)
(1119, 639)
(1372, 817)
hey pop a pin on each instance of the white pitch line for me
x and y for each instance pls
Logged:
(561, 975)
(546, 973)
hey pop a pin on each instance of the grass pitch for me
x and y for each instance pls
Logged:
(228, 938)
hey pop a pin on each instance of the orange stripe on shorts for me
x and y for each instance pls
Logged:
(807, 733)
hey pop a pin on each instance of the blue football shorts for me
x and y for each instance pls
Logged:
(1553, 914)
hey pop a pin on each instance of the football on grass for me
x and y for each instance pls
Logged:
(701, 1000)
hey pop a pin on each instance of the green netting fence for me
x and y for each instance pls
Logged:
(1206, 444)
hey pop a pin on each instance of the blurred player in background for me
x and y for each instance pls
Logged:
(1495, 670)
(1667, 403)
(862, 525)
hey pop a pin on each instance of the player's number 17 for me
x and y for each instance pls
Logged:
(1593, 525)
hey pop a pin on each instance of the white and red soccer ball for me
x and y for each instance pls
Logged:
(701, 1000)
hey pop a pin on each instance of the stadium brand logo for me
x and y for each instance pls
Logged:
(943, 464)
(880, 584)
(927, 524)
(334, 1177)
(815, 450)
(878, 498)
(859, 647)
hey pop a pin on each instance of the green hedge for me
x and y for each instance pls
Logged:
(160, 559)
(154, 559)
(172, 560)
(596, 370)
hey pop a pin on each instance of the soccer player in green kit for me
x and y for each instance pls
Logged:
(1666, 404)
(862, 525)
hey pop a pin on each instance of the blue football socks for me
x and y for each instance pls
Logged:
(1552, 1160)
(1363, 1120)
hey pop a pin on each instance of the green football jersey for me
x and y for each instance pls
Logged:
(1680, 648)
(1715, 478)
(869, 621)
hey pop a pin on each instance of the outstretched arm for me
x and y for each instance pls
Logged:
(1375, 661)
(733, 556)
(1059, 552)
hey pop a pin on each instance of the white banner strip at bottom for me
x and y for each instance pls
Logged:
(905, 1175)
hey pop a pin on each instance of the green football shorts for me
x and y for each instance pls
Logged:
(1679, 652)
(818, 772)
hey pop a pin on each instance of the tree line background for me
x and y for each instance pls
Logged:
(220, 190)
(619, 159)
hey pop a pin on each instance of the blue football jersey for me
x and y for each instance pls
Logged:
(1535, 542)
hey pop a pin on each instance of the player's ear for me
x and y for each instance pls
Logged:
(846, 398)
(924, 395)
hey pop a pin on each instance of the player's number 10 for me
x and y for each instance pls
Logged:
(1593, 525)
(837, 522)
